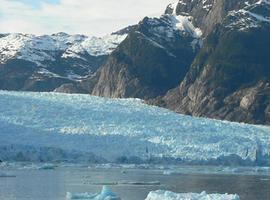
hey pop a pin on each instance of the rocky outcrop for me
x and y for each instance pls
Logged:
(206, 14)
(70, 88)
(153, 59)
(229, 78)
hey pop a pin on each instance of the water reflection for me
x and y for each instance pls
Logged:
(134, 184)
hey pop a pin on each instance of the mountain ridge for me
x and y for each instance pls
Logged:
(46, 62)
(224, 67)
(202, 57)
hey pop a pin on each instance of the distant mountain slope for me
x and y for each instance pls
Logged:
(53, 127)
(43, 63)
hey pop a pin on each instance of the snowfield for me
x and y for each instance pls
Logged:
(166, 195)
(84, 128)
(39, 49)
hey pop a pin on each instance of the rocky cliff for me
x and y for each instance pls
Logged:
(229, 78)
(217, 52)
(153, 58)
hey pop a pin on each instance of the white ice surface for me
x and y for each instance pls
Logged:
(167, 195)
(115, 127)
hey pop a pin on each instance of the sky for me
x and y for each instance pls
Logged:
(89, 17)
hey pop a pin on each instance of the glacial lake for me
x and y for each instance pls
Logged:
(129, 184)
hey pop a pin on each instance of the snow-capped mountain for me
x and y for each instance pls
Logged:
(51, 59)
(47, 48)
(229, 78)
(202, 58)
(51, 126)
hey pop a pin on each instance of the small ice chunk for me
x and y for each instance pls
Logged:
(47, 167)
(170, 172)
(79, 196)
(106, 194)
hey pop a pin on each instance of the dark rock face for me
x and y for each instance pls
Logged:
(70, 88)
(229, 78)
(14, 74)
(207, 14)
(153, 59)
(23, 75)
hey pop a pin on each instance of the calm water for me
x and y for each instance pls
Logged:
(53, 184)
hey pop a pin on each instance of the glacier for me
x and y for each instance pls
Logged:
(52, 126)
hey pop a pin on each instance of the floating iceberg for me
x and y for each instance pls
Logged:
(167, 195)
(106, 194)
(47, 166)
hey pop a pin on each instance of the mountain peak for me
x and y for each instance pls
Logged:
(206, 14)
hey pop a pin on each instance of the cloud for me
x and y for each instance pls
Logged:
(91, 17)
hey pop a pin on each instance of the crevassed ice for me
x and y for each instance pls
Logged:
(116, 127)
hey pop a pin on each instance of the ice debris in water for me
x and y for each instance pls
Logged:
(167, 195)
(106, 194)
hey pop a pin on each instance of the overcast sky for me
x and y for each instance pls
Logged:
(90, 17)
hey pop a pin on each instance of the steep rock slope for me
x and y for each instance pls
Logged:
(229, 78)
(151, 60)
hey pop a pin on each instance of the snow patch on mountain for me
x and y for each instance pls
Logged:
(183, 22)
(165, 29)
(95, 46)
(252, 16)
